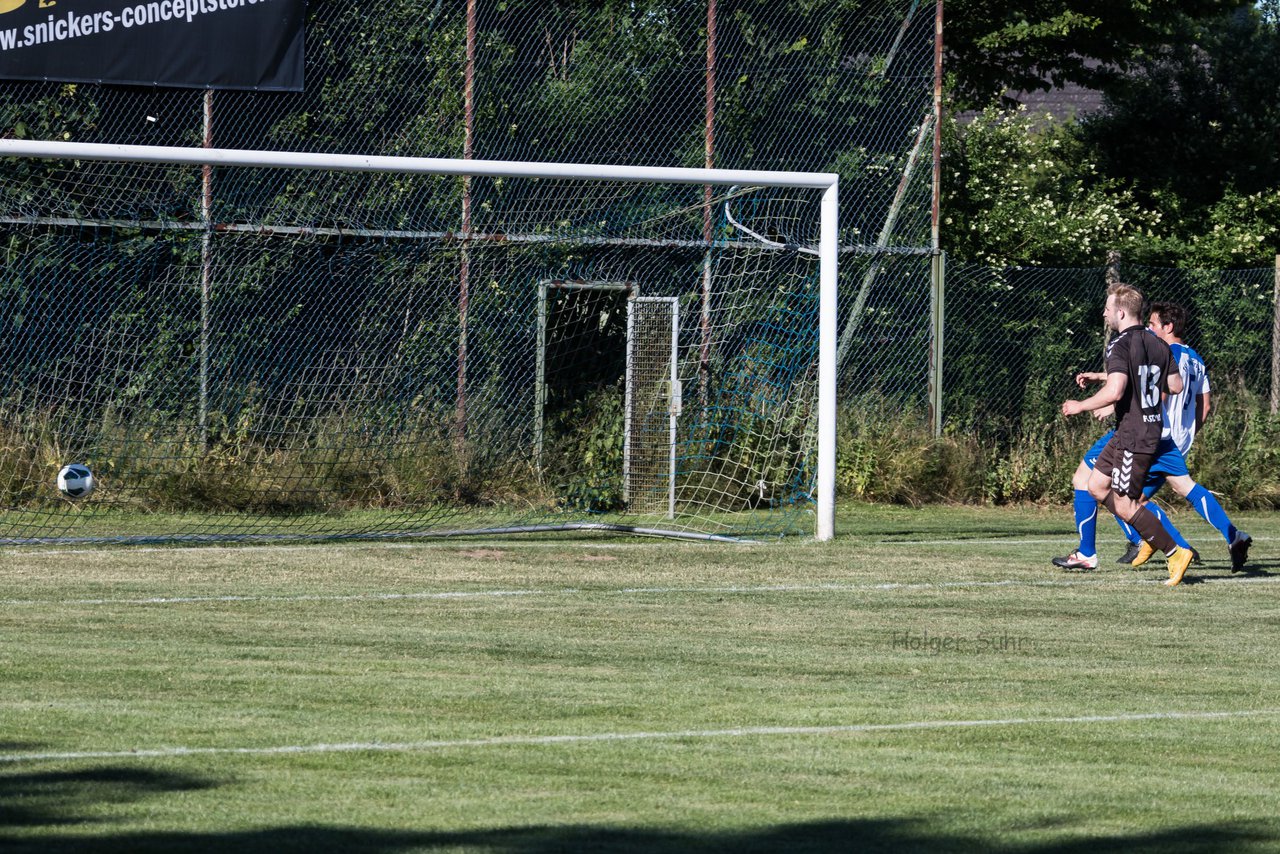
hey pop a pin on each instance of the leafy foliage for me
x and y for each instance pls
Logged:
(1208, 105)
(887, 455)
(1018, 193)
(585, 454)
(1241, 231)
(890, 455)
(996, 45)
(1181, 168)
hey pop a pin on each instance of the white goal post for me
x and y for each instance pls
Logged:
(827, 251)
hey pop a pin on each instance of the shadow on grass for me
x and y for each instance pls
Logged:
(821, 837)
(47, 813)
(58, 797)
(1259, 569)
(896, 534)
(1252, 572)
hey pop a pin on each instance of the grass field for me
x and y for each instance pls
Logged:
(926, 682)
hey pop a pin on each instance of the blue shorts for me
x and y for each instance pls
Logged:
(1168, 462)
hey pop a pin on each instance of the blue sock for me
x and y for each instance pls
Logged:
(1130, 533)
(1208, 507)
(1086, 508)
(1168, 525)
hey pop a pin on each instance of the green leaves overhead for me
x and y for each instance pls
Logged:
(997, 45)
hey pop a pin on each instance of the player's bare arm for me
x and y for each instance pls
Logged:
(1085, 377)
(1109, 395)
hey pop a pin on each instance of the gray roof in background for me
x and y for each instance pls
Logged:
(1070, 102)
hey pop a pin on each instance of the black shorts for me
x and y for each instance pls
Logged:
(1127, 470)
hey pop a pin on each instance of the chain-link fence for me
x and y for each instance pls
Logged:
(1015, 337)
(228, 321)
(843, 86)
(840, 86)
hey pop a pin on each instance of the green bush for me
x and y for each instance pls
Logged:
(330, 468)
(886, 454)
(583, 459)
(1237, 453)
(889, 455)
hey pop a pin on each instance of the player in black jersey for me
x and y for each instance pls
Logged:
(1140, 368)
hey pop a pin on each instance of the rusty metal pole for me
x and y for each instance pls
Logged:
(937, 272)
(1275, 344)
(1112, 277)
(709, 160)
(1113, 267)
(464, 270)
(206, 270)
(935, 208)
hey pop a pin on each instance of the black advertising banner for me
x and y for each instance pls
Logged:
(208, 44)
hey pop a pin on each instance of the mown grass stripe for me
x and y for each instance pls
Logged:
(1084, 580)
(590, 738)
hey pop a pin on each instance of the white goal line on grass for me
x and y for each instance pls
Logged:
(607, 737)
(507, 546)
(730, 589)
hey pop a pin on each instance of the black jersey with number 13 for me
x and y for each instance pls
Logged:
(1147, 362)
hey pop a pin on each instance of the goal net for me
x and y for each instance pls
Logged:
(340, 346)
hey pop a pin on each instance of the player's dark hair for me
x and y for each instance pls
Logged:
(1171, 312)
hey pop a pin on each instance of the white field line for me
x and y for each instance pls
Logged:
(507, 546)
(301, 597)
(728, 589)
(605, 737)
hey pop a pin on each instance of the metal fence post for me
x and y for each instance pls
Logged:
(937, 323)
(1275, 343)
(206, 271)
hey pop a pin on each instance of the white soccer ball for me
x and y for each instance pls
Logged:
(76, 481)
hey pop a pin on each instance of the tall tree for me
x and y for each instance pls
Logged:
(1025, 45)
(1211, 108)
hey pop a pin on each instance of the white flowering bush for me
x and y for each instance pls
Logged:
(1242, 231)
(1017, 192)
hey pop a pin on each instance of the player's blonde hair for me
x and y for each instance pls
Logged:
(1128, 298)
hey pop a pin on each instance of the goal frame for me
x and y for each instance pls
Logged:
(828, 183)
